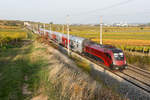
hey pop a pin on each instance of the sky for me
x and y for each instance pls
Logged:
(79, 11)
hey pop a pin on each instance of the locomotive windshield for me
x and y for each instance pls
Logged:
(119, 56)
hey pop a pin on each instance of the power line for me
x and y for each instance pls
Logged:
(115, 16)
(105, 8)
(100, 9)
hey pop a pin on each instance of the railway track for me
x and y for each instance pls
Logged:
(141, 75)
(138, 76)
(133, 75)
(135, 80)
(139, 70)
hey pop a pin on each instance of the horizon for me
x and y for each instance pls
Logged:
(76, 23)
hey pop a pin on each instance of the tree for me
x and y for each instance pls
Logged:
(148, 24)
(51, 23)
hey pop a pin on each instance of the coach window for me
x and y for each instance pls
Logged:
(77, 44)
(74, 43)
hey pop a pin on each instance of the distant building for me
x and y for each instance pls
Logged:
(26, 24)
(121, 24)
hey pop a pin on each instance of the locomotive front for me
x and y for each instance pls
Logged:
(119, 59)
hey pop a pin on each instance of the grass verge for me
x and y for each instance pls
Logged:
(18, 69)
(141, 61)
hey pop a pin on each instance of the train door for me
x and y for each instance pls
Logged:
(109, 59)
(71, 44)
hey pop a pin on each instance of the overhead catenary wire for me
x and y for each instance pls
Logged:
(104, 8)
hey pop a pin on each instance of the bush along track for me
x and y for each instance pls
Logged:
(141, 61)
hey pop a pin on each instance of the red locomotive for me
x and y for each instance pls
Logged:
(106, 54)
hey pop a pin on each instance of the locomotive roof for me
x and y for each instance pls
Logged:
(72, 37)
(106, 47)
(116, 50)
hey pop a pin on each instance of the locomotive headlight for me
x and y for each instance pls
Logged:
(114, 63)
(125, 62)
(116, 54)
(121, 54)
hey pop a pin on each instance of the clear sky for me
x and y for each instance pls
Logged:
(80, 11)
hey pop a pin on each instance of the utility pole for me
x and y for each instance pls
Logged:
(63, 28)
(68, 33)
(44, 29)
(101, 27)
(51, 28)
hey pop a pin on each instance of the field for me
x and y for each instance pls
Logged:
(11, 33)
(127, 36)
(132, 36)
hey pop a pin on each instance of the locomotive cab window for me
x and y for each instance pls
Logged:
(119, 56)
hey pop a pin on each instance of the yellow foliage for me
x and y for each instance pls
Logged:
(7, 36)
(124, 42)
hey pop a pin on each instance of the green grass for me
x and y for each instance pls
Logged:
(19, 62)
(12, 76)
(81, 64)
(15, 64)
